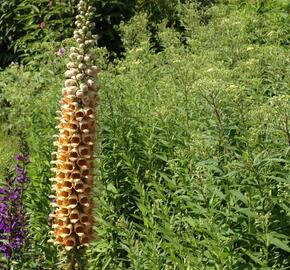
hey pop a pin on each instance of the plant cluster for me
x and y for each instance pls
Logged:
(13, 217)
(194, 142)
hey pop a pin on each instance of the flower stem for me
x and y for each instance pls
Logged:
(75, 260)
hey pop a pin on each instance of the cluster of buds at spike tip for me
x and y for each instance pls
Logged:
(72, 217)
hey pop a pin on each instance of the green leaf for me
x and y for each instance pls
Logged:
(279, 243)
(111, 187)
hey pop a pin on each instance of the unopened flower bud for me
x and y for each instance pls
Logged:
(73, 49)
(89, 72)
(80, 57)
(90, 82)
(87, 58)
(68, 74)
(84, 87)
(72, 90)
(73, 56)
(79, 94)
(82, 66)
(95, 69)
(79, 77)
(86, 100)
(69, 82)
(71, 65)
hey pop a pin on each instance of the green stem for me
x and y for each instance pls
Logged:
(76, 259)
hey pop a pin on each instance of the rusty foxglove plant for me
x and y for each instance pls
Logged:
(73, 165)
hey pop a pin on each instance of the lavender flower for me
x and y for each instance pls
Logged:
(61, 52)
(13, 219)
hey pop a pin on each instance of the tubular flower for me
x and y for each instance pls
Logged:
(73, 167)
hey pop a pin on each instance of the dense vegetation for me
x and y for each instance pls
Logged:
(194, 137)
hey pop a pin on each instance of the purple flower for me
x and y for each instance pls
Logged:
(13, 219)
(13, 195)
(6, 251)
(42, 25)
(19, 157)
(19, 169)
(61, 52)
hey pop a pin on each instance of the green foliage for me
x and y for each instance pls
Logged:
(8, 149)
(20, 26)
(193, 158)
(20, 23)
(33, 103)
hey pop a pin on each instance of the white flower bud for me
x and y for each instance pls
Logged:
(79, 40)
(79, 77)
(74, 71)
(79, 94)
(80, 57)
(90, 82)
(82, 46)
(70, 82)
(84, 87)
(89, 42)
(73, 56)
(73, 49)
(89, 72)
(82, 66)
(72, 90)
(87, 58)
(95, 87)
(71, 65)
(86, 100)
(68, 74)
(95, 69)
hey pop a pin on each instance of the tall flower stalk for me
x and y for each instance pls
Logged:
(13, 219)
(73, 164)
